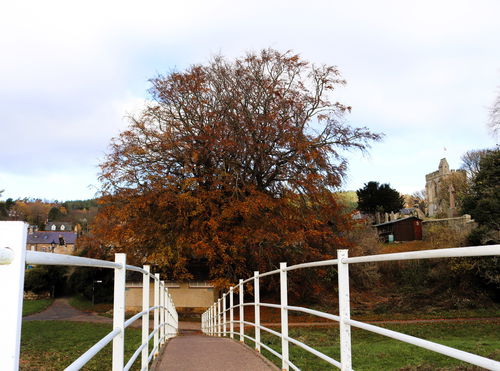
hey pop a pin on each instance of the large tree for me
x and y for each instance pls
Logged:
(483, 199)
(494, 122)
(471, 160)
(233, 162)
(376, 197)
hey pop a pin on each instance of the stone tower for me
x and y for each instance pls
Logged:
(432, 185)
(432, 181)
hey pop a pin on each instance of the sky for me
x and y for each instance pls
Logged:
(424, 73)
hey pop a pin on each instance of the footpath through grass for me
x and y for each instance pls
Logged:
(35, 306)
(54, 345)
(372, 352)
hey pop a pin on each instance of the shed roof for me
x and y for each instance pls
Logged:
(397, 221)
(48, 237)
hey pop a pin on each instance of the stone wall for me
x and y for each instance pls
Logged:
(187, 296)
(463, 224)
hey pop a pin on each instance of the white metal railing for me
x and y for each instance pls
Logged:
(13, 257)
(214, 320)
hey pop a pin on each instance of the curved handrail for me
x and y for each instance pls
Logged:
(213, 325)
(44, 258)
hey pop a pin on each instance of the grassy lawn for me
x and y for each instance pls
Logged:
(490, 312)
(54, 345)
(102, 309)
(372, 352)
(271, 315)
(85, 305)
(35, 306)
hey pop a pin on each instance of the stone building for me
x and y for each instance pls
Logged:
(58, 226)
(56, 242)
(432, 183)
(188, 297)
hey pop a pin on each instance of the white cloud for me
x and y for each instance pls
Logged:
(422, 72)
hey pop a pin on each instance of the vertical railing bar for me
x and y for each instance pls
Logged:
(119, 313)
(224, 314)
(156, 312)
(344, 311)
(219, 318)
(168, 315)
(231, 312)
(13, 243)
(256, 289)
(214, 319)
(242, 310)
(211, 320)
(145, 318)
(284, 316)
(162, 313)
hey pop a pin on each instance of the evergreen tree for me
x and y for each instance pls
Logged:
(375, 197)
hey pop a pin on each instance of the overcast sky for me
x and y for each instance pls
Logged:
(422, 72)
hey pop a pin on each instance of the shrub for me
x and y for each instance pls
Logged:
(83, 281)
(365, 242)
(50, 278)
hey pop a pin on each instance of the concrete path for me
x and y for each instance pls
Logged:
(63, 311)
(204, 353)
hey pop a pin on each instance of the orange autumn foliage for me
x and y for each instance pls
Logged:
(235, 163)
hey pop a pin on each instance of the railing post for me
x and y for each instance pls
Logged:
(211, 320)
(13, 253)
(168, 315)
(284, 316)
(344, 311)
(145, 318)
(119, 313)
(156, 312)
(224, 314)
(162, 313)
(215, 318)
(256, 294)
(242, 312)
(231, 312)
(219, 318)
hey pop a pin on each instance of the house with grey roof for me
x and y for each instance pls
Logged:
(49, 241)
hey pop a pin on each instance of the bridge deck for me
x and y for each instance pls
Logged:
(196, 352)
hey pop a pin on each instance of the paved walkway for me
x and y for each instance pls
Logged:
(204, 353)
(61, 310)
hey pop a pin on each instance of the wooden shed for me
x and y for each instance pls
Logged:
(406, 229)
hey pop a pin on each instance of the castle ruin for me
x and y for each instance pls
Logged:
(432, 182)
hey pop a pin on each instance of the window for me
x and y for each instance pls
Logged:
(200, 284)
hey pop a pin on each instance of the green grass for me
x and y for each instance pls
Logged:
(35, 306)
(54, 345)
(85, 305)
(102, 309)
(431, 313)
(372, 352)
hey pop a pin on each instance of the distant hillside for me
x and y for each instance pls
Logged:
(349, 199)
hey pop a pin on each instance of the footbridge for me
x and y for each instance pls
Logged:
(219, 345)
